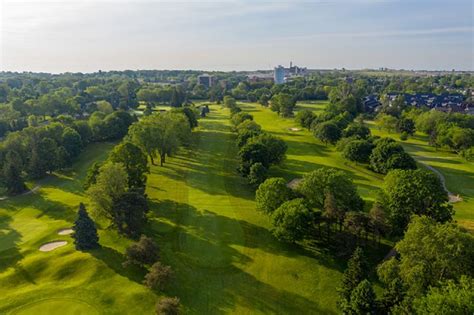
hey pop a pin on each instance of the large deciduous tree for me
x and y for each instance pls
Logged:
(271, 194)
(135, 162)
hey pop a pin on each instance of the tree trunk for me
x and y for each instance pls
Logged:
(152, 160)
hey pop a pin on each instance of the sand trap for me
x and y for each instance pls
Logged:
(295, 129)
(65, 231)
(454, 198)
(52, 246)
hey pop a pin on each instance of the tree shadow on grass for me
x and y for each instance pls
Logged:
(10, 253)
(114, 259)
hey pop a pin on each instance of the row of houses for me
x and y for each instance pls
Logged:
(445, 102)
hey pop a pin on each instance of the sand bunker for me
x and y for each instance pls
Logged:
(295, 129)
(52, 246)
(65, 231)
(454, 198)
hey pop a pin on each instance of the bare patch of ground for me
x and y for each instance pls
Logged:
(294, 183)
(66, 231)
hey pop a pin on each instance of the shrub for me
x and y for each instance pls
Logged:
(158, 276)
(168, 306)
(144, 252)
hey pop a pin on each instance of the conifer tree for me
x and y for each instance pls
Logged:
(85, 233)
(356, 272)
(363, 299)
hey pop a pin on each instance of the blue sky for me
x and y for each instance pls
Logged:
(87, 35)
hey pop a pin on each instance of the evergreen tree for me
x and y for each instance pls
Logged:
(363, 300)
(356, 272)
(12, 174)
(85, 233)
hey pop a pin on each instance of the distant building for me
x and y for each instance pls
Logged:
(279, 75)
(260, 77)
(370, 103)
(207, 80)
(282, 74)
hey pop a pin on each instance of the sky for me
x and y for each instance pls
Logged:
(90, 35)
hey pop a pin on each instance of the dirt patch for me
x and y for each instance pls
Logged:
(65, 231)
(52, 246)
(294, 183)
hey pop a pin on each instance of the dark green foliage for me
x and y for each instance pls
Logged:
(451, 298)
(305, 118)
(356, 272)
(257, 175)
(252, 153)
(283, 104)
(116, 125)
(358, 151)
(144, 252)
(43, 158)
(72, 142)
(85, 233)
(357, 223)
(135, 162)
(91, 176)
(190, 114)
(409, 192)
(292, 221)
(388, 155)
(11, 174)
(393, 295)
(276, 147)
(158, 276)
(168, 306)
(363, 299)
(406, 125)
(271, 194)
(317, 184)
(129, 213)
(239, 118)
(246, 130)
(358, 130)
(327, 132)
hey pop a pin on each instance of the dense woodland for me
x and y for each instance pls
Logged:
(47, 120)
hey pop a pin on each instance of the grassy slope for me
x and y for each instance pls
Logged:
(224, 257)
(64, 280)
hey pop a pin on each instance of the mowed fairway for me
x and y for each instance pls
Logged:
(223, 254)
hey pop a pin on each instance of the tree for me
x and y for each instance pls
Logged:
(406, 125)
(91, 177)
(387, 122)
(135, 162)
(356, 272)
(305, 118)
(104, 107)
(85, 233)
(271, 194)
(283, 104)
(11, 172)
(257, 174)
(432, 252)
(239, 118)
(230, 102)
(363, 299)
(357, 129)
(168, 306)
(316, 185)
(292, 221)
(276, 148)
(358, 151)
(129, 213)
(331, 210)
(409, 192)
(158, 276)
(388, 155)
(111, 184)
(72, 142)
(327, 132)
(144, 252)
(43, 158)
(246, 130)
(451, 298)
(252, 153)
(378, 219)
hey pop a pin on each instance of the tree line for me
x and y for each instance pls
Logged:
(258, 150)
